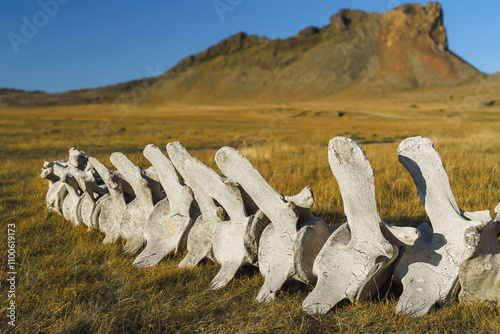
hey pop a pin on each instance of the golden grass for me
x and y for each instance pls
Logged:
(69, 282)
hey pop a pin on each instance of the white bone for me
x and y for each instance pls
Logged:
(62, 163)
(48, 173)
(109, 208)
(96, 213)
(479, 273)
(429, 269)
(290, 243)
(400, 235)
(57, 190)
(200, 239)
(169, 224)
(77, 158)
(137, 212)
(91, 192)
(354, 260)
(154, 184)
(74, 192)
(231, 236)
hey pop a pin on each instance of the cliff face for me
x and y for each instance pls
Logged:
(402, 49)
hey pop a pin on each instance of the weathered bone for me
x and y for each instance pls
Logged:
(57, 190)
(109, 208)
(354, 260)
(169, 224)
(62, 163)
(230, 243)
(154, 184)
(77, 158)
(429, 269)
(200, 239)
(290, 243)
(48, 173)
(74, 192)
(479, 272)
(137, 212)
(91, 192)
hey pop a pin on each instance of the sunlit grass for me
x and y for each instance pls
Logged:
(70, 282)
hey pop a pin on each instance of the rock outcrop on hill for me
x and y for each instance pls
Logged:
(402, 49)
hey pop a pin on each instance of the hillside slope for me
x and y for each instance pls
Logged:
(402, 49)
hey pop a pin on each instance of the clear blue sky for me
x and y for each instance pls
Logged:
(91, 43)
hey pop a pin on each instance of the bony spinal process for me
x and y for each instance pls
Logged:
(238, 220)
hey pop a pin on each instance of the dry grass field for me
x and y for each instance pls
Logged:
(70, 282)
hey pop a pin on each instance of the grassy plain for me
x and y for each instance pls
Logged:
(70, 282)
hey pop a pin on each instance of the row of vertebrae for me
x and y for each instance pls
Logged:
(240, 220)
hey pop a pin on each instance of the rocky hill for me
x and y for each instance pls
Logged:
(402, 49)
